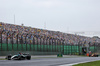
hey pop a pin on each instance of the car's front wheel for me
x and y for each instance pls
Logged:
(28, 57)
(9, 57)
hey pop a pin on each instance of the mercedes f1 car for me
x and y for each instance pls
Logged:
(18, 57)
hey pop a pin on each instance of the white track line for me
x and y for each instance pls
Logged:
(77, 63)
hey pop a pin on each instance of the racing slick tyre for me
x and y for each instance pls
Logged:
(96, 55)
(28, 57)
(9, 57)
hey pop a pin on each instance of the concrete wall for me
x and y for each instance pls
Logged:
(4, 53)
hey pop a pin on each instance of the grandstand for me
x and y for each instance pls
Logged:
(22, 38)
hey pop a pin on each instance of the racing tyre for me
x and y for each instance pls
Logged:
(9, 57)
(28, 57)
(97, 56)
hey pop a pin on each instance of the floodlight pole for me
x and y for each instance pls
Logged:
(14, 18)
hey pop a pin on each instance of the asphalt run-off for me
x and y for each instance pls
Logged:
(50, 60)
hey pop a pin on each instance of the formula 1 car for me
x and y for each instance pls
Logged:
(18, 57)
(93, 55)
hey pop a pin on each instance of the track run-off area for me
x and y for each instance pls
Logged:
(50, 60)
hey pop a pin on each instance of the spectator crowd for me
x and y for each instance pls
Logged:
(27, 33)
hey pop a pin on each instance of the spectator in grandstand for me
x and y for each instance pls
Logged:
(17, 29)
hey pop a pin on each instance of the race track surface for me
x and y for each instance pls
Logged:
(46, 61)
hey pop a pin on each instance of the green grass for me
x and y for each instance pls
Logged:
(2, 59)
(94, 63)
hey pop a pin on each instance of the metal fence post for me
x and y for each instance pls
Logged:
(7, 40)
(71, 49)
(94, 47)
(46, 46)
(40, 43)
(52, 44)
(21, 41)
(26, 41)
(43, 44)
(1, 39)
(47, 43)
(89, 46)
(30, 42)
(33, 43)
(55, 44)
(79, 47)
(63, 46)
(12, 41)
(60, 44)
(37, 42)
(17, 42)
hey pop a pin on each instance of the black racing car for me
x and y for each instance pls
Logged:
(93, 55)
(18, 57)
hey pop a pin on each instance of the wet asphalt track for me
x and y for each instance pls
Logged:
(46, 61)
